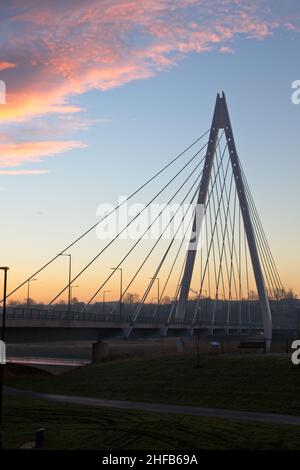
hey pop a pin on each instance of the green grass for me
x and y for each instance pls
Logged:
(252, 383)
(78, 427)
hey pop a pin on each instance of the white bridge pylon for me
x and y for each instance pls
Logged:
(221, 121)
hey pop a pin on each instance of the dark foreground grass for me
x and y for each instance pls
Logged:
(78, 427)
(254, 383)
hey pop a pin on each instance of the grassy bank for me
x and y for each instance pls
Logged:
(246, 383)
(78, 427)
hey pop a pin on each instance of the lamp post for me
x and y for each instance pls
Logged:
(28, 290)
(103, 300)
(121, 289)
(69, 285)
(71, 290)
(5, 269)
(156, 279)
(157, 306)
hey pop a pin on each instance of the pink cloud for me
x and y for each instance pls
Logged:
(52, 52)
(6, 65)
(226, 50)
(14, 154)
(292, 27)
(65, 49)
(22, 172)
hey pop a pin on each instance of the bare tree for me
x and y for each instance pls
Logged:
(13, 303)
(131, 298)
(288, 294)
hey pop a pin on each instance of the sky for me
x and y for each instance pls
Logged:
(100, 95)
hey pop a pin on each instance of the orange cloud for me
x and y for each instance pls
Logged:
(14, 154)
(6, 65)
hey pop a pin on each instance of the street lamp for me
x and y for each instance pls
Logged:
(28, 288)
(157, 306)
(5, 269)
(156, 279)
(121, 289)
(103, 302)
(71, 289)
(69, 285)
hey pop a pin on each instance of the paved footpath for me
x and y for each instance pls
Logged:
(160, 408)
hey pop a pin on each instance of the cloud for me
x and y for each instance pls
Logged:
(63, 49)
(14, 154)
(226, 50)
(6, 65)
(22, 172)
(52, 52)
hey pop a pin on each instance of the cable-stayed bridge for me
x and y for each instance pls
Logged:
(35, 325)
(209, 257)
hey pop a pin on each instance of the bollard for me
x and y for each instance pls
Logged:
(40, 437)
(100, 351)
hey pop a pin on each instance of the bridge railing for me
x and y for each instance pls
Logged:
(36, 314)
(23, 313)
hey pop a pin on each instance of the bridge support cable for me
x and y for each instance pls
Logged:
(211, 244)
(265, 260)
(240, 274)
(173, 264)
(272, 286)
(147, 230)
(247, 280)
(271, 269)
(210, 197)
(212, 186)
(127, 226)
(266, 244)
(224, 226)
(232, 275)
(138, 310)
(232, 250)
(177, 289)
(220, 272)
(221, 235)
(168, 249)
(227, 225)
(208, 268)
(211, 192)
(207, 213)
(201, 201)
(224, 230)
(94, 226)
(174, 261)
(145, 295)
(177, 254)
